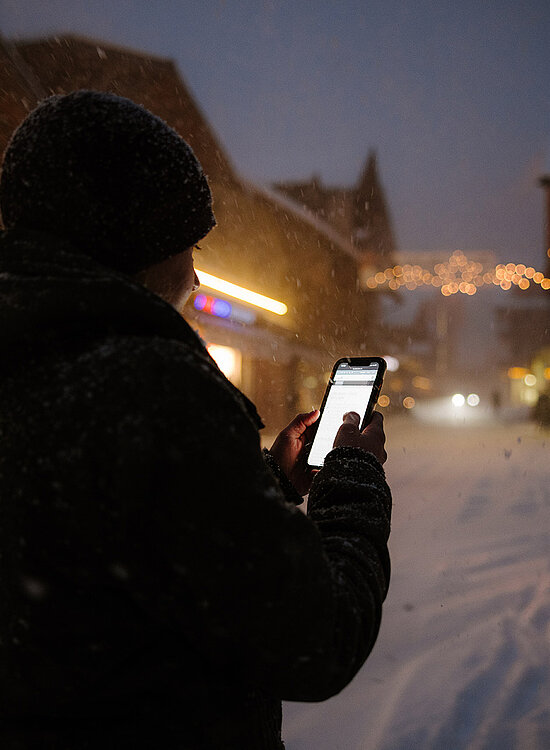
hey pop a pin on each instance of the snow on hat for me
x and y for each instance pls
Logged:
(107, 174)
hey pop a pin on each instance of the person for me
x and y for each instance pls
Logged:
(496, 401)
(541, 410)
(160, 587)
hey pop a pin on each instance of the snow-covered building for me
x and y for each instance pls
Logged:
(262, 244)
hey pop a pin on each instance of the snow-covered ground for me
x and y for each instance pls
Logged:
(463, 657)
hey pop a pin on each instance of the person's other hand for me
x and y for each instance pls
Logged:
(372, 438)
(288, 450)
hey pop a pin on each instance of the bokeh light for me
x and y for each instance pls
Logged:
(458, 275)
(392, 363)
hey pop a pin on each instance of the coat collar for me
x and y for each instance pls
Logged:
(49, 292)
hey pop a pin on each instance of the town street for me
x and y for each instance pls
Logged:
(463, 657)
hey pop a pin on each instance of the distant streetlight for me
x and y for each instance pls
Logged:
(392, 363)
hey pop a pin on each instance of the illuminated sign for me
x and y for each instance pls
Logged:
(239, 292)
(221, 308)
(218, 307)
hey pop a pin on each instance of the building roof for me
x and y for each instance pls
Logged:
(359, 213)
(307, 215)
(65, 63)
(372, 226)
(19, 92)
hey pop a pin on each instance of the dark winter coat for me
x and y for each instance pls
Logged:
(158, 589)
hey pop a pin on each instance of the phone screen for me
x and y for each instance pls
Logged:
(350, 389)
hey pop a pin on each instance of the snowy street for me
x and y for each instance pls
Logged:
(463, 657)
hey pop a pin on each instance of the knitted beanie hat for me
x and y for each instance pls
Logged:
(103, 172)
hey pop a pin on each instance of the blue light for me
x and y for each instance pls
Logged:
(200, 302)
(221, 308)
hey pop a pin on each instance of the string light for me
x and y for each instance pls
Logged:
(458, 274)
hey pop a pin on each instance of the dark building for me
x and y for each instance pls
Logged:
(524, 328)
(360, 213)
(263, 242)
(361, 217)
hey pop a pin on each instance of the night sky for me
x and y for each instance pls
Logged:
(454, 97)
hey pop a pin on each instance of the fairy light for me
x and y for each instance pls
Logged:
(458, 275)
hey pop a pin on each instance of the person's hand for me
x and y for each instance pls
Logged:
(288, 450)
(372, 438)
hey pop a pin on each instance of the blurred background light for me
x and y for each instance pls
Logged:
(392, 363)
(229, 361)
(239, 292)
(517, 373)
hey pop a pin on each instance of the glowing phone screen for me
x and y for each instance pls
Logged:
(350, 390)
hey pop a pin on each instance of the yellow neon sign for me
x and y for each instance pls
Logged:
(239, 292)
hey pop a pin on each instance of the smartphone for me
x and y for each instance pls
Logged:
(354, 385)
